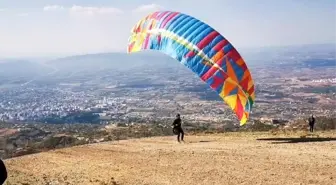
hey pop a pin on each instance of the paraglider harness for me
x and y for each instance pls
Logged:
(176, 130)
(177, 125)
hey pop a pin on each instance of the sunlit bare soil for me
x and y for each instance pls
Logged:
(230, 158)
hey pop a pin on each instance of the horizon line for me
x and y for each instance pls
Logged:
(63, 55)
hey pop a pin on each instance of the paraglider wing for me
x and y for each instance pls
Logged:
(203, 50)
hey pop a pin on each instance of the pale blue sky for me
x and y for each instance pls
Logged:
(65, 27)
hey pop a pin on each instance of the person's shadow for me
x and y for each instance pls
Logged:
(297, 139)
(3, 172)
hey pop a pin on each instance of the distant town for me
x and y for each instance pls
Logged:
(288, 88)
(111, 89)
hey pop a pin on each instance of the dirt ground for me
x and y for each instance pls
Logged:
(6, 132)
(230, 158)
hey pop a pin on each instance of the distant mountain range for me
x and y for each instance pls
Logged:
(22, 68)
(91, 62)
(116, 61)
(295, 48)
(318, 63)
(122, 61)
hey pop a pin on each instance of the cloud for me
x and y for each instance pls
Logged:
(53, 8)
(148, 8)
(94, 10)
(22, 14)
(2, 9)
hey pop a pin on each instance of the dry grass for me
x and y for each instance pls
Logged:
(7, 132)
(230, 158)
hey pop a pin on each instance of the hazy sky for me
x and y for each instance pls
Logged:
(64, 27)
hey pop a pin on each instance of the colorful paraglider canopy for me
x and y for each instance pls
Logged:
(203, 50)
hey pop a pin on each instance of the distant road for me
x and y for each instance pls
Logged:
(214, 159)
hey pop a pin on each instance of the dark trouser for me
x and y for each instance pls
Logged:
(311, 128)
(180, 134)
(3, 172)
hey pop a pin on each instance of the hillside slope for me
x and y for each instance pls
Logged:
(231, 158)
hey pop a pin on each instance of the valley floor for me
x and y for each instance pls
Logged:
(229, 158)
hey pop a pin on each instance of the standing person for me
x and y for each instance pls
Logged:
(311, 123)
(177, 126)
(3, 172)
